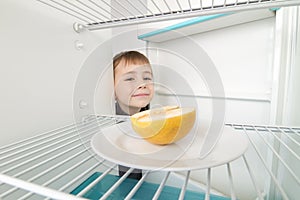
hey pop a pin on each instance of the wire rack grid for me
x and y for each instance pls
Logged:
(101, 14)
(52, 164)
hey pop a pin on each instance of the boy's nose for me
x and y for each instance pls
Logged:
(142, 85)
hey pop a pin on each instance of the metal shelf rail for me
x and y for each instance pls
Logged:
(100, 14)
(52, 164)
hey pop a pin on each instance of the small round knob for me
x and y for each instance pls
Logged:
(78, 45)
(83, 104)
(78, 27)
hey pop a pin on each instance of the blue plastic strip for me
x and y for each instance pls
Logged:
(182, 25)
(146, 191)
(274, 9)
(187, 23)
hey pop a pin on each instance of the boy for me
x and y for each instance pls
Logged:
(133, 84)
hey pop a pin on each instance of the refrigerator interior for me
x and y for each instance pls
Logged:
(57, 92)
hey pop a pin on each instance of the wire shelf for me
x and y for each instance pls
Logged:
(52, 164)
(100, 14)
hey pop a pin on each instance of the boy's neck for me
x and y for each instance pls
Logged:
(126, 110)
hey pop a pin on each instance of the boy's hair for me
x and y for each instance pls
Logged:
(130, 57)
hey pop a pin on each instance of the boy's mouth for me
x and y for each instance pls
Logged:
(140, 95)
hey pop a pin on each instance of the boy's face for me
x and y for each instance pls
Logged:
(133, 85)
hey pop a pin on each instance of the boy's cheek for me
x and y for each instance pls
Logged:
(124, 94)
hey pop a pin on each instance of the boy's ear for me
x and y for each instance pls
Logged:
(115, 96)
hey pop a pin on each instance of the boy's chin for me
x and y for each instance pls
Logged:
(141, 104)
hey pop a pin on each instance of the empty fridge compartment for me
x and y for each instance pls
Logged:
(60, 163)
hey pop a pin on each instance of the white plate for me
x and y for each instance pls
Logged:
(121, 145)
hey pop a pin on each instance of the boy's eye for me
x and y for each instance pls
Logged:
(147, 78)
(129, 79)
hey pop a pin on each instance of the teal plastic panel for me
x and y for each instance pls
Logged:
(182, 25)
(146, 191)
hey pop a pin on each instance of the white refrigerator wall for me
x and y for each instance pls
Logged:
(39, 65)
(243, 57)
(286, 67)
